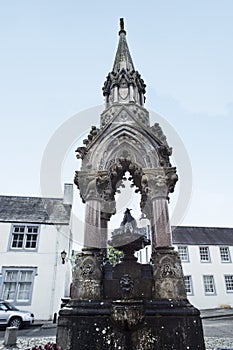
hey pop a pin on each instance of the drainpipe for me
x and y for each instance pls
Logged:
(52, 301)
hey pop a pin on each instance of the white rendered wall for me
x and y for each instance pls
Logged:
(215, 267)
(52, 280)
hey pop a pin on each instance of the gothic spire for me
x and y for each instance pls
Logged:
(124, 84)
(123, 58)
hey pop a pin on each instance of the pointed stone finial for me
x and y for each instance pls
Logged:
(122, 26)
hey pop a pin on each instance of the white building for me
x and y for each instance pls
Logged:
(206, 254)
(34, 232)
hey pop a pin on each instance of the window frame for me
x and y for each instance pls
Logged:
(200, 254)
(187, 252)
(18, 284)
(26, 233)
(189, 277)
(221, 255)
(228, 291)
(213, 283)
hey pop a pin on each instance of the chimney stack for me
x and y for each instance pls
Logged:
(68, 194)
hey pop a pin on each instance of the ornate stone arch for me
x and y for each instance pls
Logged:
(126, 141)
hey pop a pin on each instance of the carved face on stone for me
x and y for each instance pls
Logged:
(126, 283)
(87, 269)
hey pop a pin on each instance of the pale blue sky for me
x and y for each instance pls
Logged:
(55, 56)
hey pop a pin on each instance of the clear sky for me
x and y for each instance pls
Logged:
(55, 56)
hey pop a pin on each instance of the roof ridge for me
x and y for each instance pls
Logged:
(15, 196)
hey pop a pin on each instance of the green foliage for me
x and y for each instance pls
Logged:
(114, 255)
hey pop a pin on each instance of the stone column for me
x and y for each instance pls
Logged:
(131, 93)
(142, 99)
(92, 230)
(87, 278)
(167, 270)
(161, 223)
(95, 191)
(115, 94)
(156, 189)
(104, 236)
(108, 208)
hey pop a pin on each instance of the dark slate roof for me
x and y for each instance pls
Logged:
(34, 210)
(202, 235)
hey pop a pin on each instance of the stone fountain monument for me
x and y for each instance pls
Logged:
(129, 306)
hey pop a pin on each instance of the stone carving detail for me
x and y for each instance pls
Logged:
(108, 208)
(158, 132)
(93, 185)
(159, 182)
(87, 274)
(118, 169)
(168, 274)
(141, 116)
(126, 283)
(167, 270)
(127, 316)
(123, 78)
(154, 184)
(86, 183)
(169, 267)
(171, 178)
(82, 151)
(164, 153)
(87, 268)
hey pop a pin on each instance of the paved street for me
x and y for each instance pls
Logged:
(218, 333)
(33, 332)
(218, 327)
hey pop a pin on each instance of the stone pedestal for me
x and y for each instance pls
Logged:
(168, 274)
(137, 307)
(87, 276)
(130, 325)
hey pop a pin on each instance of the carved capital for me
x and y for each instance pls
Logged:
(93, 186)
(157, 183)
(86, 183)
(154, 183)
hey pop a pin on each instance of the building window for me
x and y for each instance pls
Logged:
(24, 237)
(183, 253)
(229, 283)
(225, 254)
(204, 254)
(18, 284)
(209, 284)
(188, 285)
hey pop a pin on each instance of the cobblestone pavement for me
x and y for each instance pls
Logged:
(27, 343)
